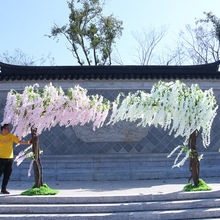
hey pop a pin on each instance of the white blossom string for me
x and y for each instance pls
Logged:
(172, 106)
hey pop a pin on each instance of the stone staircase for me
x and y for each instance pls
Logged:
(115, 167)
(179, 205)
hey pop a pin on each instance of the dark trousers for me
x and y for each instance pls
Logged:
(6, 169)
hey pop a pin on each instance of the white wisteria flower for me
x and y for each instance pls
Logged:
(173, 106)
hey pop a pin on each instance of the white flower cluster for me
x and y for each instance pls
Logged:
(172, 106)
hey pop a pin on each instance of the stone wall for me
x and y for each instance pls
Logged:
(122, 138)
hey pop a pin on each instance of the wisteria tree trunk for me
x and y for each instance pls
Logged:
(38, 169)
(194, 166)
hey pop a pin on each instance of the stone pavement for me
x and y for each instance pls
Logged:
(113, 188)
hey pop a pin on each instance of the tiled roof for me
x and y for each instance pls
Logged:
(14, 72)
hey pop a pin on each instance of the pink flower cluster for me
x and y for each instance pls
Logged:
(51, 107)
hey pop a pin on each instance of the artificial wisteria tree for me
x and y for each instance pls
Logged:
(175, 107)
(34, 111)
(186, 111)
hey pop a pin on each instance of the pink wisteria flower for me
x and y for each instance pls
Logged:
(45, 109)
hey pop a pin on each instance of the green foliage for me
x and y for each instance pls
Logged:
(186, 149)
(30, 154)
(89, 32)
(215, 21)
(202, 186)
(43, 190)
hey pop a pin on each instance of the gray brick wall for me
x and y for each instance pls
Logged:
(67, 141)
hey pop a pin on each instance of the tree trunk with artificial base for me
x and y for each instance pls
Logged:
(194, 166)
(37, 166)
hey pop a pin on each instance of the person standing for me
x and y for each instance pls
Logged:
(6, 154)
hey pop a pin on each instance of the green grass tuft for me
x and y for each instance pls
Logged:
(43, 190)
(202, 186)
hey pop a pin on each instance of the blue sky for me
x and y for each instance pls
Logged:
(24, 23)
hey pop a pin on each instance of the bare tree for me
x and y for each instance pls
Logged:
(202, 42)
(18, 57)
(116, 57)
(147, 42)
(170, 56)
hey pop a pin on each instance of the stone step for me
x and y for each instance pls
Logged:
(151, 170)
(165, 204)
(100, 199)
(171, 214)
(123, 159)
(100, 176)
(116, 167)
(94, 175)
(108, 207)
(104, 166)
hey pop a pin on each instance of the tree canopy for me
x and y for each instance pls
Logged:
(90, 34)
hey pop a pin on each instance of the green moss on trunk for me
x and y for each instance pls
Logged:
(202, 186)
(43, 190)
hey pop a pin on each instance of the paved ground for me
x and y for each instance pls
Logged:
(113, 188)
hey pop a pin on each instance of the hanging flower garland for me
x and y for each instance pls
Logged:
(173, 106)
(51, 107)
(44, 110)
